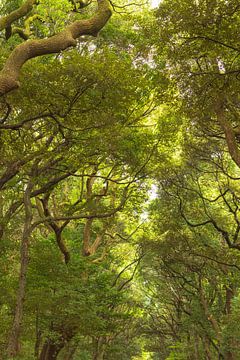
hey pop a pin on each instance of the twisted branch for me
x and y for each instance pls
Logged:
(9, 75)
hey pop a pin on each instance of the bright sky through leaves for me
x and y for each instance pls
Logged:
(155, 3)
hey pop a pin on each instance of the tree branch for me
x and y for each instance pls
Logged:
(229, 133)
(7, 20)
(32, 48)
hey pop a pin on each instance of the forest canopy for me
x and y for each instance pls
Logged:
(120, 165)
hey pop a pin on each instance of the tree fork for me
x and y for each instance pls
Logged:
(10, 73)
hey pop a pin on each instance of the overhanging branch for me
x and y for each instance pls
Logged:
(9, 75)
(7, 20)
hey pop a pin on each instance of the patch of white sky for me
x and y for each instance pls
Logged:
(155, 3)
(152, 195)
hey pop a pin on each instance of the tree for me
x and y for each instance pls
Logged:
(119, 195)
(64, 159)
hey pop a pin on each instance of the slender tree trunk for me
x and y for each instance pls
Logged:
(229, 297)
(99, 349)
(228, 309)
(1, 215)
(196, 347)
(14, 337)
(38, 336)
(207, 350)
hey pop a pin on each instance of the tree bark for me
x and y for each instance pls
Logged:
(7, 20)
(13, 342)
(196, 347)
(206, 347)
(228, 132)
(228, 309)
(29, 49)
(99, 349)
(70, 353)
(51, 350)
(38, 336)
(229, 297)
(57, 229)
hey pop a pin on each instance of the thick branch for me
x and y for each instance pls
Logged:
(86, 237)
(7, 20)
(59, 42)
(229, 134)
(88, 248)
(208, 314)
(57, 230)
(83, 216)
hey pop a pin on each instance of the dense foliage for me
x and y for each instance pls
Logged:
(119, 180)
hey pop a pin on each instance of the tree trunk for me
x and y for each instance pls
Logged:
(98, 355)
(229, 297)
(99, 349)
(38, 336)
(229, 356)
(206, 348)
(196, 347)
(51, 350)
(228, 309)
(13, 343)
(228, 132)
(70, 353)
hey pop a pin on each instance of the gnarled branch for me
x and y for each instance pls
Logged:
(32, 48)
(57, 229)
(7, 20)
(229, 133)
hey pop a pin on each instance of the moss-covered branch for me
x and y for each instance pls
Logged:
(32, 48)
(7, 20)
